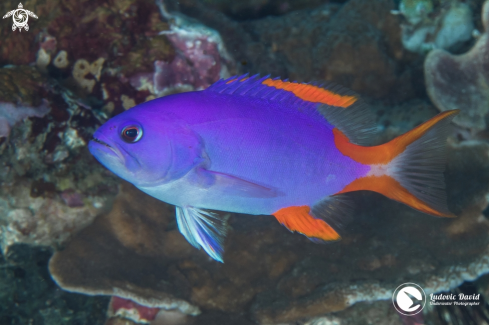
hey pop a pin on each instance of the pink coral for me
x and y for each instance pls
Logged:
(131, 310)
(197, 65)
(47, 42)
(203, 53)
(201, 59)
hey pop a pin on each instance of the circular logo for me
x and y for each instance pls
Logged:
(20, 17)
(409, 299)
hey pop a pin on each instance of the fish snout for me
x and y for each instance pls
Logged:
(101, 148)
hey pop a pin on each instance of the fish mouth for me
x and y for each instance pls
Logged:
(101, 142)
(104, 147)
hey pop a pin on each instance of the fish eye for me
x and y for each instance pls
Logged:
(131, 134)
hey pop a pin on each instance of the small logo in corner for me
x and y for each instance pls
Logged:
(20, 17)
(409, 299)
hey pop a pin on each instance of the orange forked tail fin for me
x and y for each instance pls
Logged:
(409, 168)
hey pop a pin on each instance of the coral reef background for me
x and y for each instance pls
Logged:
(80, 246)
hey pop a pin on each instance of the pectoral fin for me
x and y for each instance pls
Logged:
(202, 228)
(232, 185)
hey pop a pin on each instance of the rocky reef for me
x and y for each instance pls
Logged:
(460, 81)
(49, 185)
(111, 247)
(29, 295)
(285, 278)
(320, 43)
(432, 25)
(51, 103)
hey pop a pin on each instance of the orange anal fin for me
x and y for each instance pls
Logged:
(391, 188)
(297, 218)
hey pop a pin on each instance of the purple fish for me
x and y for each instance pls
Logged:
(266, 146)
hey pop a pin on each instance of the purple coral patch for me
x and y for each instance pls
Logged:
(71, 198)
(11, 114)
(198, 63)
(204, 55)
(4, 127)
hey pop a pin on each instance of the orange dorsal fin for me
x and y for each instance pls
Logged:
(298, 218)
(312, 93)
(339, 106)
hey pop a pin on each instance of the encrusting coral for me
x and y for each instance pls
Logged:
(49, 186)
(83, 68)
(460, 81)
(356, 44)
(201, 59)
(428, 26)
(129, 231)
(11, 114)
(61, 60)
